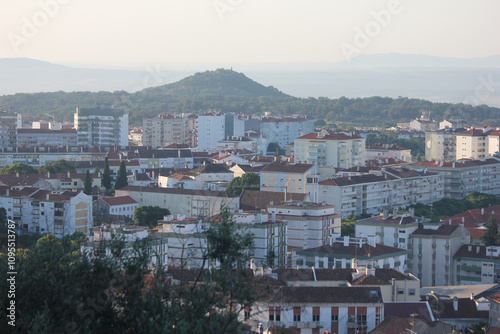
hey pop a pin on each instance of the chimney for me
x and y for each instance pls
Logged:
(412, 212)
(449, 222)
(69, 174)
(482, 211)
(385, 213)
(48, 175)
(478, 248)
(17, 174)
(46, 197)
(273, 216)
(455, 304)
(346, 241)
(463, 219)
(471, 296)
(395, 212)
(7, 192)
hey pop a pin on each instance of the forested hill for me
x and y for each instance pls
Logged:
(230, 91)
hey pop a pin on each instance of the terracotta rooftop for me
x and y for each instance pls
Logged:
(476, 252)
(119, 200)
(286, 275)
(329, 136)
(283, 167)
(329, 295)
(366, 251)
(260, 200)
(441, 230)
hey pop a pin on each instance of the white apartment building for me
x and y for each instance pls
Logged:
(237, 143)
(211, 129)
(346, 252)
(453, 124)
(472, 144)
(391, 230)
(101, 126)
(309, 224)
(493, 142)
(388, 151)
(475, 264)
(45, 137)
(441, 145)
(330, 149)
(163, 130)
(44, 211)
(100, 243)
(293, 178)
(432, 249)
(463, 177)
(389, 187)
(9, 124)
(284, 130)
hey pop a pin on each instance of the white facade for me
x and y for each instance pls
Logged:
(472, 144)
(388, 151)
(101, 126)
(211, 129)
(9, 123)
(284, 130)
(309, 225)
(330, 149)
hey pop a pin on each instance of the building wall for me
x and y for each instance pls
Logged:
(284, 132)
(386, 234)
(276, 181)
(337, 153)
(211, 129)
(471, 147)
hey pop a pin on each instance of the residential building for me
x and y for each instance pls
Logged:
(441, 145)
(50, 181)
(259, 139)
(135, 137)
(237, 143)
(187, 202)
(284, 130)
(211, 129)
(474, 221)
(472, 144)
(475, 264)
(371, 193)
(101, 126)
(164, 130)
(240, 169)
(172, 156)
(256, 200)
(281, 176)
(9, 124)
(463, 177)
(115, 206)
(351, 253)
(494, 316)
(424, 123)
(309, 224)
(330, 149)
(453, 124)
(388, 151)
(197, 177)
(391, 230)
(100, 243)
(432, 248)
(493, 143)
(47, 211)
(234, 126)
(179, 181)
(306, 309)
(46, 137)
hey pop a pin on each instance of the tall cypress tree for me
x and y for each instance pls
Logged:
(490, 236)
(87, 184)
(121, 178)
(106, 176)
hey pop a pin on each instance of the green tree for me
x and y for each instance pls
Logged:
(276, 149)
(121, 178)
(246, 181)
(419, 157)
(490, 237)
(87, 183)
(106, 176)
(59, 166)
(149, 215)
(18, 168)
(347, 227)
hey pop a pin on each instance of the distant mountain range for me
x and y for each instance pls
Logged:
(231, 91)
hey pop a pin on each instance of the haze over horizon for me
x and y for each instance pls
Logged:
(224, 32)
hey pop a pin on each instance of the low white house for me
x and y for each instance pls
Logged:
(116, 206)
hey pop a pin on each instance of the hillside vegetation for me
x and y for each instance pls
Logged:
(230, 91)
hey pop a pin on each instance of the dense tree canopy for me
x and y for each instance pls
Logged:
(87, 184)
(246, 181)
(59, 166)
(106, 175)
(18, 168)
(121, 178)
(149, 215)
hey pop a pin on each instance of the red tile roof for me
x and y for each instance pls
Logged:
(119, 200)
(330, 136)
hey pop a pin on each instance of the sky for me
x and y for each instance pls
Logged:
(122, 33)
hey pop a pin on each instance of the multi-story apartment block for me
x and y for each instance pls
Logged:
(307, 309)
(389, 187)
(388, 151)
(474, 264)
(190, 203)
(284, 130)
(432, 250)
(388, 230)
(282, 176)
(453, 124)
(100, 243)
(237, 143)
(309, 225)
(211, 129)
(46, 137)
(346, 252)
(493, 143)
(163, 130)
(44, 211)
(101, 126)
(172, 156)
(330, 149)
(441, 145)
(472, 144)
(9, 124)
(463, 177)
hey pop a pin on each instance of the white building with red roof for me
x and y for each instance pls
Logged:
(116, 206)
(330, 149)
(388, 151)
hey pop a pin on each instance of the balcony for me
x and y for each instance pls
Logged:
(304, 324)
(274, 324)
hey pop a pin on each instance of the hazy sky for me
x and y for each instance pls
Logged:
(236, 31)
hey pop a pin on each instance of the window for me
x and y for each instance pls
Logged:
(315, 317)
(411, 292)
(247, 313)
(401, 291)
(296, 313)
(335, 317)
(315, 311)
(361, 319)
